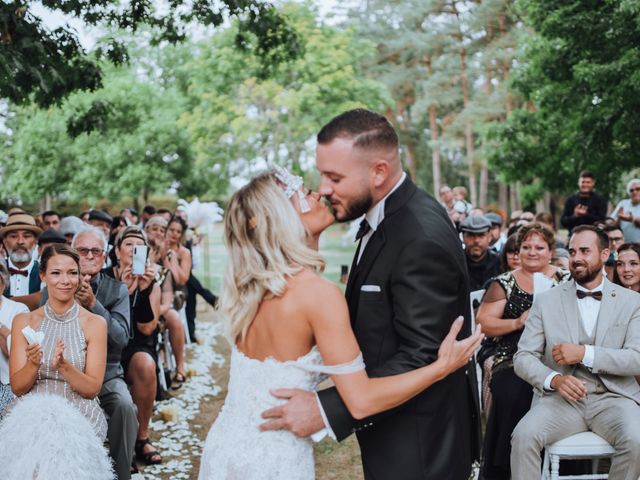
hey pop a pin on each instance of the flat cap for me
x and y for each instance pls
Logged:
(71, 225)
(100, 215)
(51, 236)
(475, 224)
(494, 218)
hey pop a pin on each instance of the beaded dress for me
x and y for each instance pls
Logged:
(235, 448)
(49, 380)
(510, 395)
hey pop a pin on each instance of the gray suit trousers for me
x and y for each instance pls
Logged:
(120, 410)
(551, 418)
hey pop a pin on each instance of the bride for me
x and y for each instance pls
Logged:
(290, 328)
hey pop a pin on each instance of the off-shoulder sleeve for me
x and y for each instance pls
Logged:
(353, 366)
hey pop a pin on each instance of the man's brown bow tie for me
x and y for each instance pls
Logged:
(595, 295)
(15, 271)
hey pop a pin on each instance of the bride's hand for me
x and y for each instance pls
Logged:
(454, 354)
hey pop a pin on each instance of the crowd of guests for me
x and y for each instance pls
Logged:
(106, 357)
(511, 263)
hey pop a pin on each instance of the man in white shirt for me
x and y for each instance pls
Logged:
(580, 351)
(20, 237)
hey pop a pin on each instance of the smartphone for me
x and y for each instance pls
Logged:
(139, 259)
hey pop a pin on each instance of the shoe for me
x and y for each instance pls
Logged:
(152, 457)
(177, 381)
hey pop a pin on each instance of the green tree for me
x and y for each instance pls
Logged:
(581, 85)
(133, 149)
(46, 66)
(239, 122)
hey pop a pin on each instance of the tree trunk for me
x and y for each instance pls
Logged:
(484, 185)
(503, 196)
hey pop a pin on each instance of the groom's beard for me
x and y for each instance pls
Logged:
(356, 208)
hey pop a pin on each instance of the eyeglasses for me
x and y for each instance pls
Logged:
(636, 189)
(83, 252)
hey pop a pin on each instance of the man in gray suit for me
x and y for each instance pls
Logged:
(109, 298)
(580, 350)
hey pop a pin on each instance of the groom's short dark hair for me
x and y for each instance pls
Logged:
(369, 130)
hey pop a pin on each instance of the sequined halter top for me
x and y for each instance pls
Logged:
(66, 326)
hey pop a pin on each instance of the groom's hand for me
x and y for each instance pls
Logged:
(300, 415)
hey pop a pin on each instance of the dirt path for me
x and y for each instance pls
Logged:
(197, 404)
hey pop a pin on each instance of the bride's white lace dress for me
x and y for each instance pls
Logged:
(235, 448)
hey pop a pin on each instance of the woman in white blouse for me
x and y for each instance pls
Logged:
(8, 310)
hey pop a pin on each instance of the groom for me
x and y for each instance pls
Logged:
(407, 284)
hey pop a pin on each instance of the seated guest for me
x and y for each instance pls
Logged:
(147, 212)
(502, 315)
(69, 226)
(109, 298)
(155, 228)
(627, 212)
(8, 310)
(20, 236)
(627, 271)
(482, 263)
(139, 357)
(616, 238)
(48, 237)
(101, 220)
(510, 256)
(51, 220)
(580, 351)
(67, 362)
(498, 237)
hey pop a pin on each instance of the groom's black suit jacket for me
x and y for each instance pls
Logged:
(416, 259)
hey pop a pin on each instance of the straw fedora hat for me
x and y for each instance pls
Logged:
(20, 221)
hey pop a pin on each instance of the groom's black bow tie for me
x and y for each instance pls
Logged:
(363, 230)
(595, 295)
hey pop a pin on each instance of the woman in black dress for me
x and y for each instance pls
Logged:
(139, 357)
(503, 314)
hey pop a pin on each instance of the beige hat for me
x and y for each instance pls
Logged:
(20, 221)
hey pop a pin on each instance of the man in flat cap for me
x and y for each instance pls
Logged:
(19, 237)
(482, 263)
(49, 237)
(101, 220)
(498, 237)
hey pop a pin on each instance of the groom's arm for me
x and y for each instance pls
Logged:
(425, 289)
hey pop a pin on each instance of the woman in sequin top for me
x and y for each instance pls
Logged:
(502, 315)
(70, 360)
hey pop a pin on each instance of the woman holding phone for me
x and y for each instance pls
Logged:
(139, 357)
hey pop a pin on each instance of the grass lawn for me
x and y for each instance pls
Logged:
(333, 248)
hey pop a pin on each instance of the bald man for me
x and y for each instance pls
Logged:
(407, 284)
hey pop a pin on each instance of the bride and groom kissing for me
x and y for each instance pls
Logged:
(403, 380)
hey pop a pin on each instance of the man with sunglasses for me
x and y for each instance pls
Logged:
(627, 212)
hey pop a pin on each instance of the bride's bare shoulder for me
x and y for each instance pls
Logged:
(311, 288)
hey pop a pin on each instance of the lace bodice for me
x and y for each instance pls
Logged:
(49, 380)
(235, 447)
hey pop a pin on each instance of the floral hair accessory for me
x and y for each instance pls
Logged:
(292, 184)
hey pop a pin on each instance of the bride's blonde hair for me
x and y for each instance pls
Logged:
(266, 243)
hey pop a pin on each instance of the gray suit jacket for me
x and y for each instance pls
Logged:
(555, 318)
(112, 303)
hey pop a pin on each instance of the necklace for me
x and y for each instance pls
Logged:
(64, 317)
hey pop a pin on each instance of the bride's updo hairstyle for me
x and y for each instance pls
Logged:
(265, 240)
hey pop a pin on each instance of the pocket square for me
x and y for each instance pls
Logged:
(370, 288)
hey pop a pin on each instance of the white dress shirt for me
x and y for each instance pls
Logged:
(374, 218)
(375, 215)
(589, 309)
(8, 310)
(19, 284)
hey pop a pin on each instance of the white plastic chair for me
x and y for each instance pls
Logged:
(473, 296)
(582, 445)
